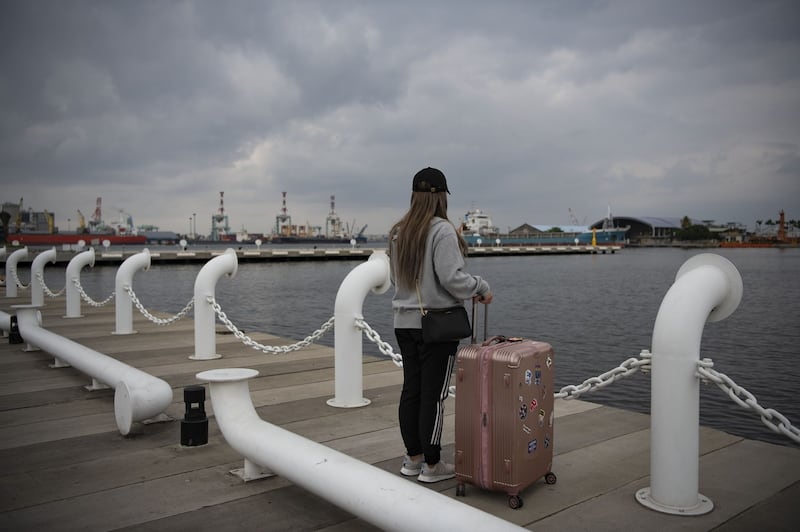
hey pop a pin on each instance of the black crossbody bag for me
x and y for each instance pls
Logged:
(444, 324)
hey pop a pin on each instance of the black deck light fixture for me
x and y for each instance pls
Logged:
(194, 425)
(14, 337)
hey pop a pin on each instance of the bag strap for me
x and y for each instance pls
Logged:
(419, 298)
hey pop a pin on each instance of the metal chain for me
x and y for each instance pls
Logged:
(373, 336)
(275, 349)
(629, 367)
(16, 279)
(155, 319)
(47, 291)
(88, 299)
(706, 372)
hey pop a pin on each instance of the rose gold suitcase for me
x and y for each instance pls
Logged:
(504, 415)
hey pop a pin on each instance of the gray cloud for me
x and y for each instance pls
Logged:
(531, 108)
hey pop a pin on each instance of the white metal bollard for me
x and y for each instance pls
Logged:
(386, 500)
(11, 270)
(707, 288)
(124, 303)
(137, 395)
(348, 355)
(37, 275)
(205, 342)
(85, 258)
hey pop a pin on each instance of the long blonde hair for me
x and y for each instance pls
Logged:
(411, 234)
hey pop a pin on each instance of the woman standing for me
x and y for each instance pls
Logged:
(427, 264)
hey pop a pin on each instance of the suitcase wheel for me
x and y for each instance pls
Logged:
(550, 478)
(461, 490)
(515, 502)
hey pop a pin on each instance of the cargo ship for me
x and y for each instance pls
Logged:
(31, 228)
(59, 239)
(477, 229)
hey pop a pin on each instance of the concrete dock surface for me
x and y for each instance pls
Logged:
(65, 465)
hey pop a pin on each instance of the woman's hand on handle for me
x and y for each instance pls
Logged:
(485, 298)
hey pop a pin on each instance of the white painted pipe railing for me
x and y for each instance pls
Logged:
(5, 323)
(707, 288)
(205, 339)
(76, 264)
(137, 395)
(124, 303)
(386, 500)
(11, 270)
(348, 345)
(37, 275)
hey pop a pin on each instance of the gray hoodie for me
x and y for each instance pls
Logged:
(443, 282)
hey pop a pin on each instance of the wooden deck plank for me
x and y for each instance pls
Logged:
(765, 477)
(286, 508)
(65, 466)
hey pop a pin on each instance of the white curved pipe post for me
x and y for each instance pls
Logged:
(76, 264)
(348, 348)
(124, 304)
(205, 340)
(386, 500)
(137, 395)
(707, 288)
(11, 270)
(37, 275)
(5, 323)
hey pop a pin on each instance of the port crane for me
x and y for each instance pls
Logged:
(219, 221)
(96, 221)
(81, 222)
(573, 219)
(19, 216)
(283, 221)
(333, 224)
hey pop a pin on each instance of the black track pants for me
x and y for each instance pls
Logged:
(426, 379)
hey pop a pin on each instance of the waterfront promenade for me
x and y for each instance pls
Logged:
(66, 467)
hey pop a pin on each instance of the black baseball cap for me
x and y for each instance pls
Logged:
(430, 180)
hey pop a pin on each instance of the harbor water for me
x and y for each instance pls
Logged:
(596, 311)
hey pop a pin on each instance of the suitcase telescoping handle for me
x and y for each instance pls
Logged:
(494, 339)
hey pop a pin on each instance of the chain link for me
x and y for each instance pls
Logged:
(46, 290)
(373, 336)
(706, 372)
(16, 279)
(627, 368)
(155, 319)
(275, 349)
(88, 299)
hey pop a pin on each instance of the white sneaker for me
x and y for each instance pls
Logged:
(436, 473)
(410, 467)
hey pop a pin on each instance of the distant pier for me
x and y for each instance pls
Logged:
(280, 254)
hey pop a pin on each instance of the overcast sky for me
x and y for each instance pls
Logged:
(654, 108)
